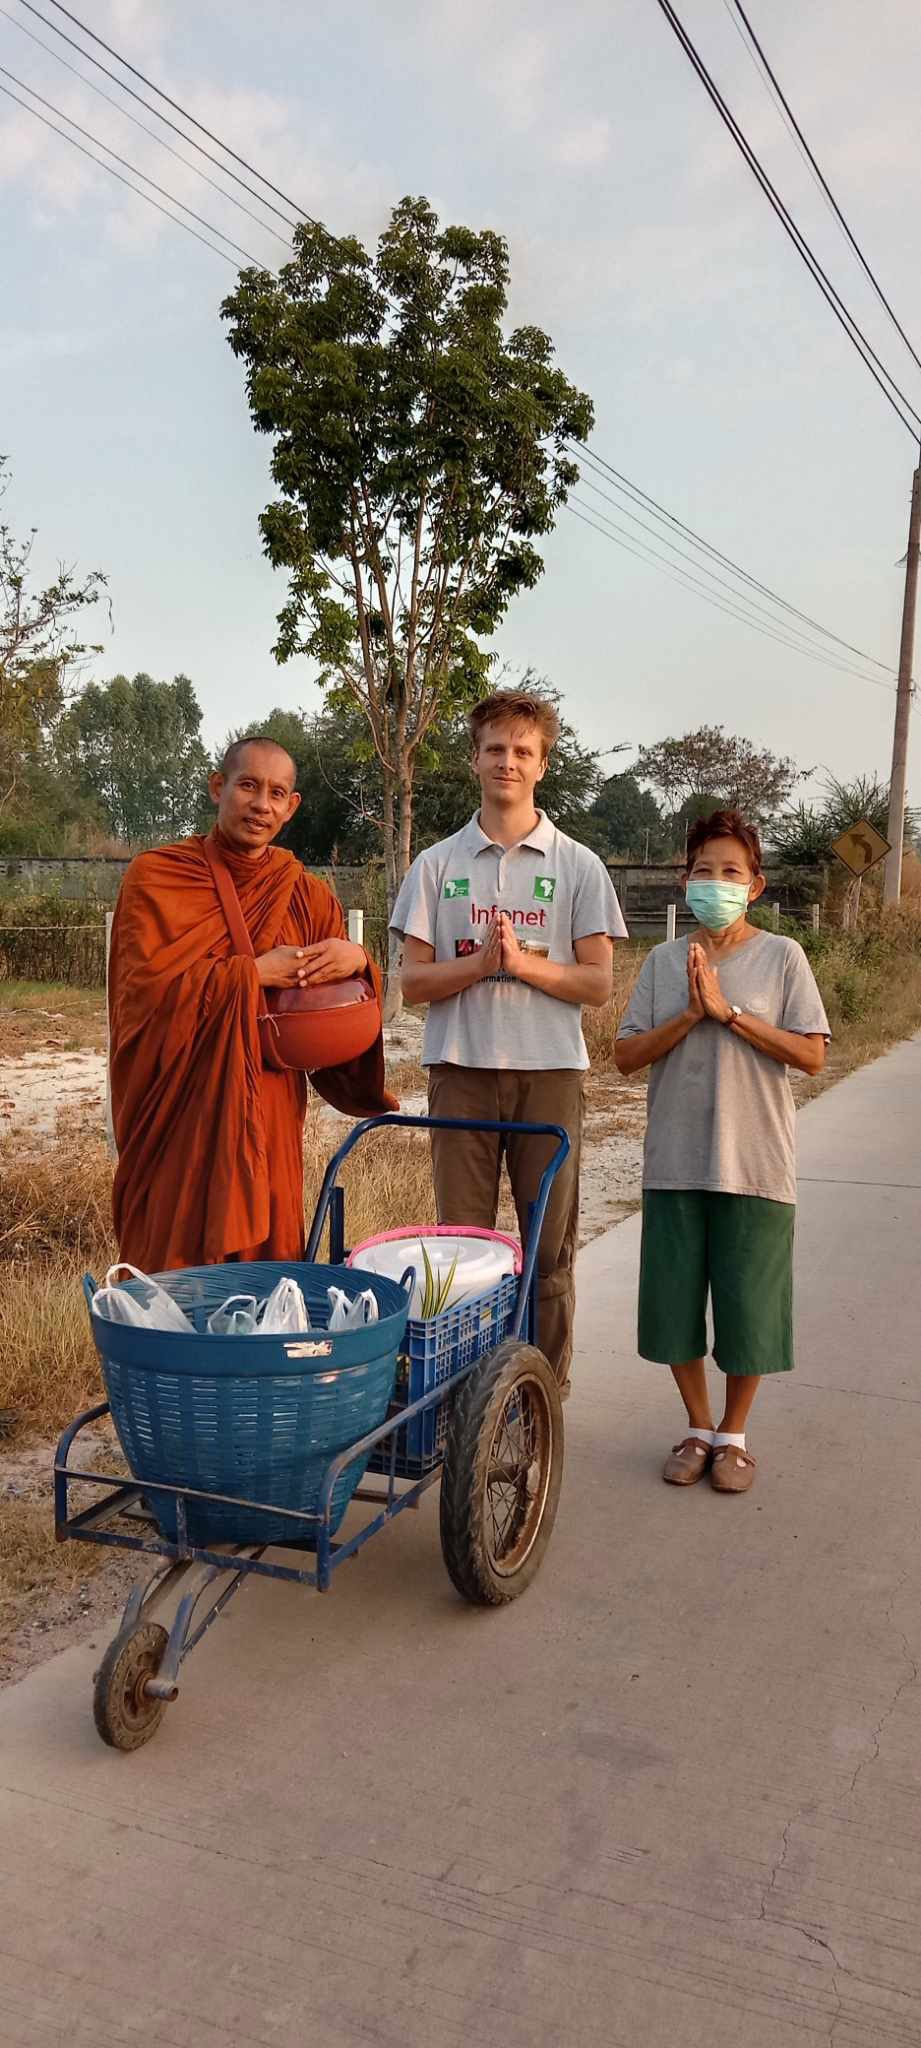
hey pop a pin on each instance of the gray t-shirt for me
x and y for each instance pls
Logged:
(555, 892)
(721, 1115)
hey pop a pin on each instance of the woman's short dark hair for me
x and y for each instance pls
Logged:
(724, 825)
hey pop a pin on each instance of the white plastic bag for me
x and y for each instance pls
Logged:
(346, 1314)
(157, 1312)
(236, 1317)
(285, 1310)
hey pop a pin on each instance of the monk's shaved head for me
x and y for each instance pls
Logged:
(233, 759)
(254, 791)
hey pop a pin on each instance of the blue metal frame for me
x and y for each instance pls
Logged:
(125, 1498)
(331, 1201)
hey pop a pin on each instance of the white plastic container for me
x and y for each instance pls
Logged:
(483, 1258)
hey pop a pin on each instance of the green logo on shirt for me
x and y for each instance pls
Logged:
(544, 887)
(460, 887)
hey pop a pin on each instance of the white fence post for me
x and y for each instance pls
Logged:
(110, 1128)
(815, 912)
(775, 916)
(357, 927)
(671, 921)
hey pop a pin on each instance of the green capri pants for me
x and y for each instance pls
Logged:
(737, 1248)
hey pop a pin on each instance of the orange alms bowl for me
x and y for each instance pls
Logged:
(309, 1028)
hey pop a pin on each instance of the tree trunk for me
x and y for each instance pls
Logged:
(393, 994)
(398, 835)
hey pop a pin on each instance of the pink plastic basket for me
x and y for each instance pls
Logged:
(435, 1230)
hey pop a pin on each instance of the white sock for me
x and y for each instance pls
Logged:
(705, 1435)
(724, 1436)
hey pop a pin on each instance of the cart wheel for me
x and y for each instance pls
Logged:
(124, 1714)
(502, 1472)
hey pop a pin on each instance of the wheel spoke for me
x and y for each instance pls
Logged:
(515, 1485)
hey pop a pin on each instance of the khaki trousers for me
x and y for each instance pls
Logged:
(466, 1166)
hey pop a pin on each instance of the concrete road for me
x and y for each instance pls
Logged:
(671, 1797)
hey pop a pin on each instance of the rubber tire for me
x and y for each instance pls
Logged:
(463, 1481)
(121, 1722)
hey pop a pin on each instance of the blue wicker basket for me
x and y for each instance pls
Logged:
(433, 1352)
(249, 1416)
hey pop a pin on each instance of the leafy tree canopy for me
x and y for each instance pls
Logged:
(135, 748)
(41, 653)
(626, 821)
(419, 454)
(711, 766)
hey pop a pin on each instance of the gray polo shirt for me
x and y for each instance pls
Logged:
(554, 891)
(721, 1115)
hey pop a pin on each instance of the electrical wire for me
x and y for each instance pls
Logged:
(88, 57)
(720, 581)
(171, 196)
(823, 184)
(127, 115)
(622, 483)
(177, 109)
(640, 550)
(833, 298)
(24, 104)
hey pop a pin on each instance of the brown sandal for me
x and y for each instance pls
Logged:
(732, 1470)
(687, 1462)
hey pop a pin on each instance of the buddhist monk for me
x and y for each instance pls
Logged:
(210, 1142)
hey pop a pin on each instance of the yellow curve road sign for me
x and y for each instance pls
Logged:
(860, 847)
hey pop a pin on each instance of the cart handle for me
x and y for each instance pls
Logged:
(457, 1123)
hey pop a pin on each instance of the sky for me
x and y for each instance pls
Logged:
(722, 384)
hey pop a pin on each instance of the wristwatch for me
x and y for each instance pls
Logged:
(734, 1015)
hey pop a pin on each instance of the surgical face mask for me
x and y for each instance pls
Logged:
(717, 904)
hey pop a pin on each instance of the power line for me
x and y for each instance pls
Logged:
(621, 483)
(720, 581)
(24, 104)
(643, 553)
(823, 183)
(845, 319)
(177, 109)
(641, 497)
(127, 115)
(212, 230)
(88, 57)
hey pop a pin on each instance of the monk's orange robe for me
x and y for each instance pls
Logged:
(210, 1143)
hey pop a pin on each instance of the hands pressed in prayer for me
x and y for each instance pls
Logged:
(706, 996)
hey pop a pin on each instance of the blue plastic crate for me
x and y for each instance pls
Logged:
(258, 1417)
(433, 1352)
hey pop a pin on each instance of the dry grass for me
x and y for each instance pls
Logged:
(47, 1016)
(56, 1224)
(32, 1564)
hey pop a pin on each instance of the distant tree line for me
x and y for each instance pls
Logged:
(125, 761)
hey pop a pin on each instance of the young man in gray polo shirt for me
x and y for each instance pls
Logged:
(507, 929)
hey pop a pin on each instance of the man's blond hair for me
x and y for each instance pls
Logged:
(516, 707)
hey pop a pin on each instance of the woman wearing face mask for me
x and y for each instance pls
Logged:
(719, 1018)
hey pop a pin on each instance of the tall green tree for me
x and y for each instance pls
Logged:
(711, 765)
(135, 748)
(419, 454)
(41, 655)
(627, 821)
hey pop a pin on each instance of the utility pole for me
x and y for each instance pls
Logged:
(892, 882)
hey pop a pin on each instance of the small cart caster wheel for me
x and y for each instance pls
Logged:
(125, 1715)
(503, 1467)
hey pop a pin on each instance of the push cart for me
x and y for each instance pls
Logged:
(467, 1398)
